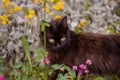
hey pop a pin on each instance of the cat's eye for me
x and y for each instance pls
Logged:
(51, 40)
(63, 39)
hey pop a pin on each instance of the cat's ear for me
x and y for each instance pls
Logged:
(64, 22)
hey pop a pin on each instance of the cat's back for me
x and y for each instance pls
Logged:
(102, 49)
(104, 42)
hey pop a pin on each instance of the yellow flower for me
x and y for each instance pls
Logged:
(9, 22)
(10, 10)
(35, 1)
(51, 13)
(57, 17)
(30, 22)
(82, 23)
(42, 1)
(4, 19)
(4, 22)
(47, 9)
(31, 14)
(6, 2)
(52, 1)
(79, 26)
(17, 8)
(9, 15)
(58, 6)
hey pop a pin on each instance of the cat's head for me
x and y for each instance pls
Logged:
(57, 35)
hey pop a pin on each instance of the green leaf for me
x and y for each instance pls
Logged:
(111, 30)
(43, 25)
(99, 78)
(67, 68)
(13, 72)
(26, 68)
(60, 76)
(17, 65)
(39, 52)
(2, 68)
(87, 6)
(56, 1)
(26, 11)
(25, 45)
(2, 60)
(56, 66)
(77, 30)
(73, 73)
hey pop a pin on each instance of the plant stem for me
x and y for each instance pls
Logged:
(44, 10)
(86, 76)
(45, 40)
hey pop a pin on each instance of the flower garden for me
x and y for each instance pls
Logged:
(22, 55)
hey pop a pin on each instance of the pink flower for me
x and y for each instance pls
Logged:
(74, 67)
(80, 72)
(82, 66)
(2, 77)
(47, 60)
(86, 71)
(89, 62)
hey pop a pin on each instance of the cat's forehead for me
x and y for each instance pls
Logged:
(55, 26)
(55, 23)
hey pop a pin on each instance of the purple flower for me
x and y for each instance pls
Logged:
(47, 60)
(74, 67)
(86, 71)
(82, 66)
(80, 72)
(89, 62)
(2, 77)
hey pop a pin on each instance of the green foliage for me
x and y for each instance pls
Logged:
(87, 6)
(39, 53)
(26, 48)
(57, 1)
(17, 65)
(99, 78)
(111, 29)
(26, 11)
(69, 75)
(78, 30)
(2, 67)
(43, 25)
(114, 77)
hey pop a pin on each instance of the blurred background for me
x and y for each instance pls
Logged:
(22, 18)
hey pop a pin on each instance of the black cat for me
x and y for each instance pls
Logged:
(66, 47)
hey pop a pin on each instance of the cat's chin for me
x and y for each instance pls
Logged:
(59, 49)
